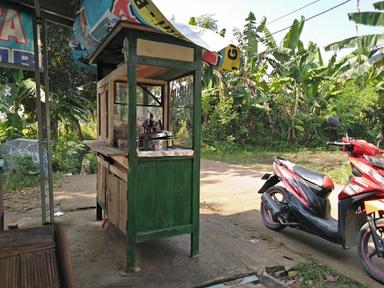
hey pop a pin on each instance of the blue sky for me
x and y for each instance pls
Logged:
(325, 29)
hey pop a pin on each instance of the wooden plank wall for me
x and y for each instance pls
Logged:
(112, 191)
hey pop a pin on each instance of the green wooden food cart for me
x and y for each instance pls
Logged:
(149, 84)
(149, 73)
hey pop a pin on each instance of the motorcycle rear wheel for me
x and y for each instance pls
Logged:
(374, 266)
(280, 196)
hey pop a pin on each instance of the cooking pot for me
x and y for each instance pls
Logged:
(156, 141)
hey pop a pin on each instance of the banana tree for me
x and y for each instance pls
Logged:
(17, 104)
(367, 45)
(300, 80)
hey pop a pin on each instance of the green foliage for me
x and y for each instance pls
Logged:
(68, 154)
(17, 104)
(358, 108)
(204, 21)
(281, 96)
(339, 174)
(21, 173)
(314, 274)
(73, 98)
(372, 18)
(370, 40)
(366, 45)
(89, 164)
(89, 130)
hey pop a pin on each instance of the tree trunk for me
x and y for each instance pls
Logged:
(292, 128)
(54, 129)
(79, 133)
(272, 123)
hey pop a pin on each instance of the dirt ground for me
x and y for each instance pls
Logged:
(262, 161)
(233, 239)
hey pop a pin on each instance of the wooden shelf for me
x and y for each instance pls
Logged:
(104, 148)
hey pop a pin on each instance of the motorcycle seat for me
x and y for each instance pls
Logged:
(318, 179)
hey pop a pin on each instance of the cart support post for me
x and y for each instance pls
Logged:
(48, 121)
(1, 196)
(36, 38)
(196, 161)
(99, 209)
(99, 212)
(130, 50)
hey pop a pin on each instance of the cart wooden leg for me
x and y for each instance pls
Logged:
(194, 244)
(131, 253)
(99, 212)
(2, 222)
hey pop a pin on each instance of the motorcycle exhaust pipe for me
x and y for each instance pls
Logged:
(271, 205)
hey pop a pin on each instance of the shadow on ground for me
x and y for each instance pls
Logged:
(225, 250)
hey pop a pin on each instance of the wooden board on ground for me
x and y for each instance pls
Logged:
(29, 258)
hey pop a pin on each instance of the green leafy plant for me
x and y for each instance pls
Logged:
(21, 172)
(89, 164)
(314, 274)
(68, 154)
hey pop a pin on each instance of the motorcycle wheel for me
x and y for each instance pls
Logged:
(280, 196)
(368, 258)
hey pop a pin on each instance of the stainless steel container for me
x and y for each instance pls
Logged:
(156, 141)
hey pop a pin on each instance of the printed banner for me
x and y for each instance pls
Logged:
(96, 18)
(16, 38)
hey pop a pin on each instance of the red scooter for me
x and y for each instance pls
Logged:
(302, 202)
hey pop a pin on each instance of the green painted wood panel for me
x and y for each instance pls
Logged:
(164, 194)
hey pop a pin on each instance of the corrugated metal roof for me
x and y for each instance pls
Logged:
(59, 11)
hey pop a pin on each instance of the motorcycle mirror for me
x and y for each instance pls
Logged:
(333, 122)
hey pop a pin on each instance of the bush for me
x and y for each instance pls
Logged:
(89, 164)
(67, 155)
(21, 172)
(89, 130)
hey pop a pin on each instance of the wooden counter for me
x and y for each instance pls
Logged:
(104, 148)
(118, 155)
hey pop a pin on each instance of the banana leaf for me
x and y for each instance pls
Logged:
(370, 40)
(370, 18)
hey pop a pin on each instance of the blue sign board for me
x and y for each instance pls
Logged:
(16, 38)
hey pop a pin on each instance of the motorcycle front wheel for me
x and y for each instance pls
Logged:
(371, 262)
(279, 195)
